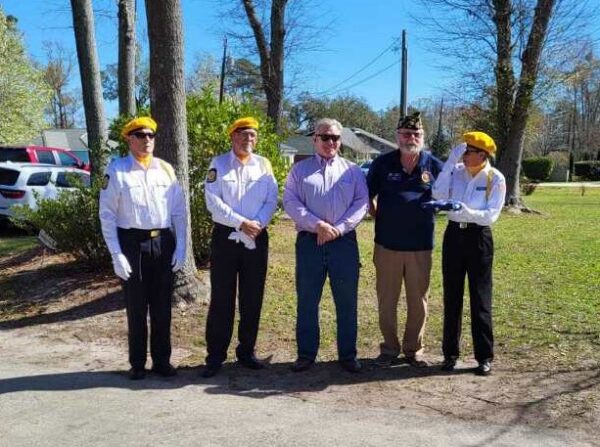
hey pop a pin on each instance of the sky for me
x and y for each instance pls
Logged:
(357, 32)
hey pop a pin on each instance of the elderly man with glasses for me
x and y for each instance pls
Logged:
(144, 220)
(468, 249)
(399, 183)
(326, 196)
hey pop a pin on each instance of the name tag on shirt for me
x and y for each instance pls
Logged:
(395, 176)
(480, 188)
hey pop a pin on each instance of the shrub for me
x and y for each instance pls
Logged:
(538, 168)
(72, 221)
(207, 136)
(588, 170)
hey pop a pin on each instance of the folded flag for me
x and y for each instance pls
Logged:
(442, 205)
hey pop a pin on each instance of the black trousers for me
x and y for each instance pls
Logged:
(232, 266)
(468, 251)
(148, 289)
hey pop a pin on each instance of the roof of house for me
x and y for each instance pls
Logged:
(304, 146)
(374, 137)
(74, 139)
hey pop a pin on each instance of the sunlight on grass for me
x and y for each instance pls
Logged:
(546, 278)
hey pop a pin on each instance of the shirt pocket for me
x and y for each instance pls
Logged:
(160, 191)
(344, 192)
(257, 186)
(134, 191)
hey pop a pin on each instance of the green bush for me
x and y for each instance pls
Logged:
(588, 170)
(538, 168)
(72, 221)
(207, 136)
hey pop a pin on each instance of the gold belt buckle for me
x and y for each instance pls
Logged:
(154, 233)
(462, 225)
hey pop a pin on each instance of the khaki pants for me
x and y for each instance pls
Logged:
(414, 267)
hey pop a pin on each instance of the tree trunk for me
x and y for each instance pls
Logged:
(510, 160)
(271, 55)
(127, 105)
(91, 86)
(167, 102)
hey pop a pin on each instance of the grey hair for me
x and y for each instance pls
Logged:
(328, 122)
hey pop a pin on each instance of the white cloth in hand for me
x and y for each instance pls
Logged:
(240, 236)
(178, 257)
(457, 153)
(121, 266)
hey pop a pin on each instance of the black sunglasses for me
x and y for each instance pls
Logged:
(334, 138)
(142, 135)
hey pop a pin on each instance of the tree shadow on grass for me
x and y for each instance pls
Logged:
(106, 304)
(36, 289)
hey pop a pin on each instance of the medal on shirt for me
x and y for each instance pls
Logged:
(426, 176)
(211, 175)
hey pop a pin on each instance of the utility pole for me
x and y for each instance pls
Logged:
(403, 76)
(223, 62)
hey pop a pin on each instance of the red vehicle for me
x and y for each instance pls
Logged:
(42, 154)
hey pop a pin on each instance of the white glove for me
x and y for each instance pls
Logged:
(240, 236)
(457, 153)
(178, 257)
(121, 266)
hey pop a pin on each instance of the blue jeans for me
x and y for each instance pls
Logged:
(338, 259)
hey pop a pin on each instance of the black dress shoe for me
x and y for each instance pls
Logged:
(137, 373)
(448, 364)
(302, 364)
(211, 370)
(352, 366)
(251, 362)
(484, 369)
(164, 370)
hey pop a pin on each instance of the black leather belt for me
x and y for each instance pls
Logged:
(465, 225)
(144, 234)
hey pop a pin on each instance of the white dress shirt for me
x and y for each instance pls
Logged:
(146, 199)
(482, 196)
(236, 192)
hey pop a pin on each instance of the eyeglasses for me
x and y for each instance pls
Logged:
(327, 137)
(408, 134)
(473, 151)
(142, 135)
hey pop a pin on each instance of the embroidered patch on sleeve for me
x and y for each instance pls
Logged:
(211, 176)
(105, 181)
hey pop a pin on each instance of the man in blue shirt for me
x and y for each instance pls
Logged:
(399, 182)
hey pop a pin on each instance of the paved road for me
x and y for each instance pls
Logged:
(63, 394)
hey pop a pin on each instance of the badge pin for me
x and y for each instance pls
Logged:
(426, 176)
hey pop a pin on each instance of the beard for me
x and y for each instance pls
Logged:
(410, 148)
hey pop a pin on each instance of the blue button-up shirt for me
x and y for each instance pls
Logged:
(331, 190)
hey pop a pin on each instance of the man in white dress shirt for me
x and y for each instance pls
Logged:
(469, 178)
(141, 205)
(241, 195)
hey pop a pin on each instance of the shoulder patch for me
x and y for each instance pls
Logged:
(105, 181)
(211, 175)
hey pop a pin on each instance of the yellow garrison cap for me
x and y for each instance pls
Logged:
(247, 122)
(480, 140)
(143, 122)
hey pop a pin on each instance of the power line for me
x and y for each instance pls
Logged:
(365, 79)
(367, 65)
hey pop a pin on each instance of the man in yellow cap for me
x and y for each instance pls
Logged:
(241, 195)
(144, 219)
(468, 248)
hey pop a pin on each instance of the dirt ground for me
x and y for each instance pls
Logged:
(52, 299)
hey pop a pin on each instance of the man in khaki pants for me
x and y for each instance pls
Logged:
(399, 182)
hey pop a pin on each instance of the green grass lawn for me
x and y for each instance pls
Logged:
(546, 281)
(13, 241)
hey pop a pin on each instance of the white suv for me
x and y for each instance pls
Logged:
(18, 181)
